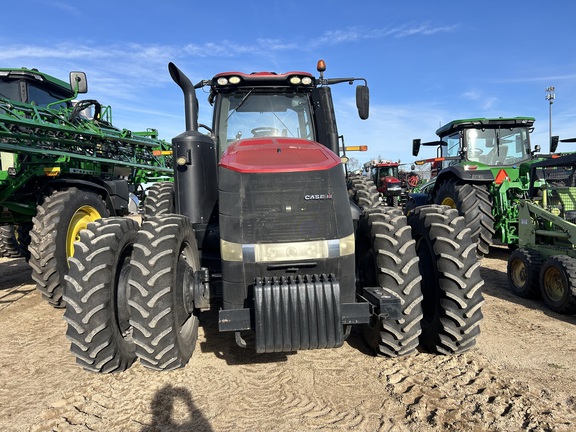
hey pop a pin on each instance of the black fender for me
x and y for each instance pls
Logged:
(419, 199)
(356, 211)
(483, 176)
(115, 193)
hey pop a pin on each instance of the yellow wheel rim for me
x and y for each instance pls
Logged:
(518, 273)
(80, 220)
(554, 284)
(449, 202)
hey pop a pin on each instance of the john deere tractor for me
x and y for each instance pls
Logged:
(263, 228)
(62, 165)
(482, 170)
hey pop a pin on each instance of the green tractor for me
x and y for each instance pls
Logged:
(481, 169)
(64, 165)
(545, 262)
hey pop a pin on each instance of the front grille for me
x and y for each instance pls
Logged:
(272, 207)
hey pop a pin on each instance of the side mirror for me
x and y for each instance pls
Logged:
(416, 146)
(554, 143)
(363, 101)
(78, 82)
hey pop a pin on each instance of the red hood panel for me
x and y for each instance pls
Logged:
(273, 154)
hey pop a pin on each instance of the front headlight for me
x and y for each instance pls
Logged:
(293, 251)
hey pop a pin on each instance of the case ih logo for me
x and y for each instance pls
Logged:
(318, 197)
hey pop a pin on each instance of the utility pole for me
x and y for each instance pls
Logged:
(550, 96)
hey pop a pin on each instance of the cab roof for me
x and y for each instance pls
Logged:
(35, 74)
(477, 123)
(226, 81)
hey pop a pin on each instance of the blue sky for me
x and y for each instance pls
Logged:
(426, 62)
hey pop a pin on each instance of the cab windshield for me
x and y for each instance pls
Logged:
(500, 146)
(257, 114)
(39, 96)
(389, 171)
(9, 89)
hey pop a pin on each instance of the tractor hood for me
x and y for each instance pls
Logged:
(391, 180)
(278, 154)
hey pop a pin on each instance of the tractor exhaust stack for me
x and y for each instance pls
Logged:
(190, 101)
(195, 164)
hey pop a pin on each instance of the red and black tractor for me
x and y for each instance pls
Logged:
(392, 185)
(260, 224)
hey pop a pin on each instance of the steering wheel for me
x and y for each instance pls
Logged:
(476, 152)
(265, 131)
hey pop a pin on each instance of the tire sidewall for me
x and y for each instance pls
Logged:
(76, 199)
(99, 307)
(531, 261)
(566, 267)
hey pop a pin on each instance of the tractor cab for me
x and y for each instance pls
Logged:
(384, 174)
(262, 105)
(492, 146)
(31, 86)
(294, 105)
(386, 177)
(481, 145)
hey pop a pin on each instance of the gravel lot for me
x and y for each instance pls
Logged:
(520, 376)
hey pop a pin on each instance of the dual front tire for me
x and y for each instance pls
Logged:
(428, 261)
(127, 294)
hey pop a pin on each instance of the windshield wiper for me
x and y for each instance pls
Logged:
(240, 104)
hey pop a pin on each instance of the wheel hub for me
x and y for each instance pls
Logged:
(518, 273)
(554, 284)
(449, 202)
(80, 220)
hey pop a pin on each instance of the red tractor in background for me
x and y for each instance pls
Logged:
(392, 185)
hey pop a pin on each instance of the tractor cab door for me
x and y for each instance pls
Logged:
(450, 148)
(325, 119)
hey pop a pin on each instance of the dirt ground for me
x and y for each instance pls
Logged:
(520, 376)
